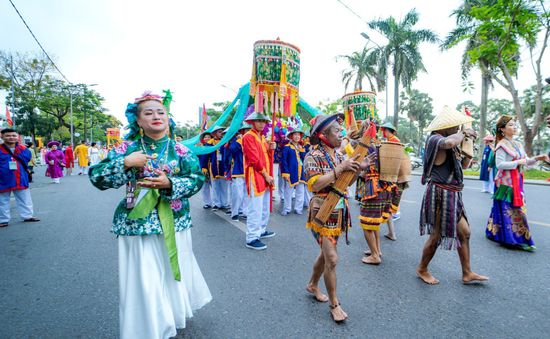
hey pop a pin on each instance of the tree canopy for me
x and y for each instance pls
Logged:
(43, 101)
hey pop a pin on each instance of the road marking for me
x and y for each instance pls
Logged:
(539, 223)
(409, 201)
(235, 223)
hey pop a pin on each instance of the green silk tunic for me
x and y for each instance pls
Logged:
(182, 168)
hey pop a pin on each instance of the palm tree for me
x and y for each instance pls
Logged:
(402, 46)
(418, 106)
(363, 64)
(466, 29)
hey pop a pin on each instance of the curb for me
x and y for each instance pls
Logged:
(526, 182)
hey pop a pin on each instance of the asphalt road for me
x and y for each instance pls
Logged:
(59, 277)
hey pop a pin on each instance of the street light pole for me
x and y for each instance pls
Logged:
(71, 109)
(366, 36)
(91, 128)
(71, 86)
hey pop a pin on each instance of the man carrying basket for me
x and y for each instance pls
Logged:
(442, 213)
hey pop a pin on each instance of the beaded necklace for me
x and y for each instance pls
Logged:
(327, 156)
(155, 162)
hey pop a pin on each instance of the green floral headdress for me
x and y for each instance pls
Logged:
(131, 113)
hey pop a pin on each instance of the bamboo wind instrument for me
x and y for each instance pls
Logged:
(339, 187)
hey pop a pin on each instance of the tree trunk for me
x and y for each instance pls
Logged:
(85, 127)
(485, 78)
(410, 130)
(527, 132)
(396, 101)
(420, 133)
(528, 142)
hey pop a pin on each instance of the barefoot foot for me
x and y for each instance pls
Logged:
(391, 237)
(427, 277)
(368, 252)
(371, 260)
(314, 290)
(472, 277)
(337, 313)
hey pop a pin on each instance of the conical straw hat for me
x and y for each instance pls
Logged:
(448, 118)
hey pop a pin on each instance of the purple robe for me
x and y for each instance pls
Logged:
(55, 170)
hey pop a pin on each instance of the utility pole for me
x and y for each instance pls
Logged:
(13, 92)
(71, 110)
(91, 128)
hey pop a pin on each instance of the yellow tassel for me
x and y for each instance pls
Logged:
(293, 104)
(282, 85)
(253, 78)
(256, 102)
(370, 227)
(324, 231)
(371, 221)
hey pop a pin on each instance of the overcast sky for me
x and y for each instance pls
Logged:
(202, 50)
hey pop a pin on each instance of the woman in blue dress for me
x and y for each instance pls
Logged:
(507, 223)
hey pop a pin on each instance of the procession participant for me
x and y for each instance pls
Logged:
(352, 135)
(204, 160)
(217, 171)
(239, 196)
(160, 282)
(306, 146)
(226, 158)
(323, 164)
(277, 160)
(55, 160)
(292, 171)
(69, 160)
(43, 152)
(442, 213)
(508, 220)
(14, 178)
(259, 181)
(81, 155)
(389, 134)
(32, 161)
(486, 171)
(179, 138)
(375, 206)
(93, 154)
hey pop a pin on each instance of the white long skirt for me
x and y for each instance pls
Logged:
(152, 303)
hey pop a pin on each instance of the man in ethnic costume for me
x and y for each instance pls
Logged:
(376, 200)
(259, 181)
(442, 213)
(217, 170)
(291, 166)
(81, 155)
(235, 166)
(204, 160)
(323, 165)
(389, 134)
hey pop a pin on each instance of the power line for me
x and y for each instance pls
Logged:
(39, 44)
(352, 11)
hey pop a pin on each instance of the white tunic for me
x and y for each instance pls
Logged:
(93, 155)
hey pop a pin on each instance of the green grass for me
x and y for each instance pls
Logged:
(531, 174)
